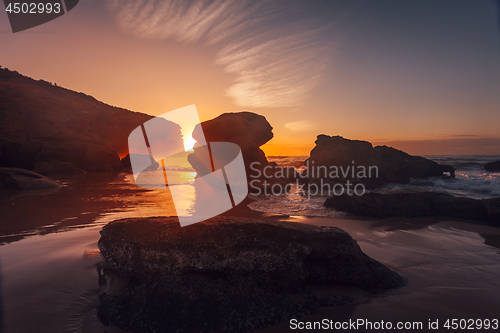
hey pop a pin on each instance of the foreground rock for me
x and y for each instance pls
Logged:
(21, 179)
(392, 165)
(249, 131)
(492, 166)
(420, 204)
(226, 274)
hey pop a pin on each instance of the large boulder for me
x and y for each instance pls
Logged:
(417, 204)
(226, 274)
(334, 158)
(492, 166)
(249, 131)
(21, 179)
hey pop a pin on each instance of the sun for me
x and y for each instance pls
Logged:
(189, 142)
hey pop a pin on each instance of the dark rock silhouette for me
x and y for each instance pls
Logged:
(249, 131)
(21, 179)
(83, 152)
(30, 109)
(418, 204)
(492, 166)
(226, 274)
(394, 166)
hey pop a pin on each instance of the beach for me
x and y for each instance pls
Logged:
(49, 257)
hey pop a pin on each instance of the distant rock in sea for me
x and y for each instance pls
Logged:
(21, 179)
(418, 204)
(226, 274)
(393, 166)
(492, 166)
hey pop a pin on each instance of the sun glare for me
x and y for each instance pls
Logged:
(189, 142)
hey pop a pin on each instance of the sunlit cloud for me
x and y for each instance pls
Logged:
(299, 126)
(185, 21)
(280, 72)
(275, 63)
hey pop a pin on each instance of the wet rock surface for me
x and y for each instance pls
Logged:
(418, 204)
(492, 166)
(21, 179)
(227, 274)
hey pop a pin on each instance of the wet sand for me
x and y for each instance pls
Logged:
(451, 272)
(50, 282)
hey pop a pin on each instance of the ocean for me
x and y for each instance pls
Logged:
(471, 180)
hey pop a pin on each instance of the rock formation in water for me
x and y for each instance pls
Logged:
(418, 204)
(226, 274)
(492, 166)
(392, 165)
(249, 131)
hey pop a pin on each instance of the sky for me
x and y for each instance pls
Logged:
(419, 75)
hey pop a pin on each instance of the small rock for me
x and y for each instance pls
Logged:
(21, 179)
(492, 166)
(227, 274)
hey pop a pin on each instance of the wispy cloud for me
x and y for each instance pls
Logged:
(276, 57)
(299, 126)
(279, 72)
(186, 21)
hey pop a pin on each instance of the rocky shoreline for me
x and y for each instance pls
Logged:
(418, 204)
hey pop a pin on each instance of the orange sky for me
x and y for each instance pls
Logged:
(390, 74)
